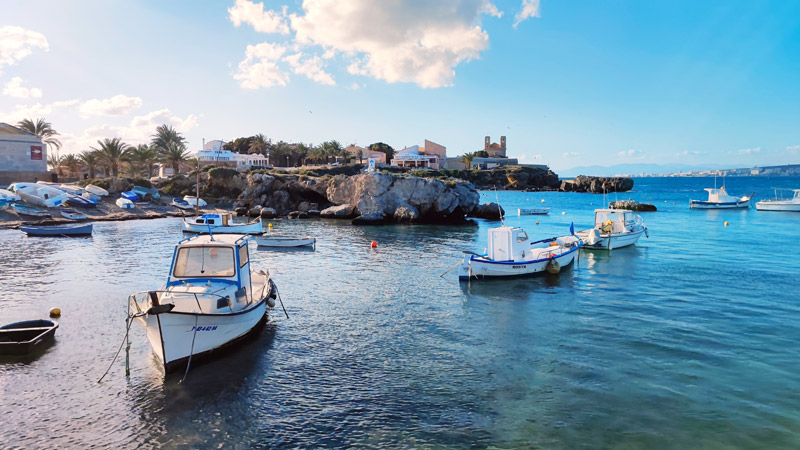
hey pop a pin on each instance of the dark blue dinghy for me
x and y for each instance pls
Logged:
(21, 338)
(57, 230)
(81, 202)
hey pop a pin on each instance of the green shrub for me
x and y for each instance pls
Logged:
(222, 173)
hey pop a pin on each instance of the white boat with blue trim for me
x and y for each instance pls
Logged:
(511, 253)
(220, 223)
(613, 228)
(212, 300)
(781, 202)
(720, 199)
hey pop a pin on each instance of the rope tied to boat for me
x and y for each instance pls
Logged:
(128, 321)
(191, 351)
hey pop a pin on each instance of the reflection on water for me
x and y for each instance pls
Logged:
(686, 340)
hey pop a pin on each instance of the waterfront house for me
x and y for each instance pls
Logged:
(23, 156)
(428, 157)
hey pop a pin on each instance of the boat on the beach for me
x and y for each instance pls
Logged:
(720, 199)
(130, 195)
(57, 230)
(71, 189)
(192, 200)
(781, 203)
(144, 192)
(73, 214)
(80, 201)
(511, 253)
(9, 196)
(4, 203)
(286, 241)
(212, 299)
(21, 338)
(96, 190)
(613, 228)
(220, 223)
(25, 210)
(181, 203)
(532, 211)
(124, 203)
(39, 194)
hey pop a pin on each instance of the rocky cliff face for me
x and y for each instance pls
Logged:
(597, 185)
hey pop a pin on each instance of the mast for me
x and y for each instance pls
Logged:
(197, 184)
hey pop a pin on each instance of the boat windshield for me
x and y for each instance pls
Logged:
(204, 262)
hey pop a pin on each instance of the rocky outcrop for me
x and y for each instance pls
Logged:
(632, 205)
(521, 178)
(338, 212)
(597, 185)
(490, 211)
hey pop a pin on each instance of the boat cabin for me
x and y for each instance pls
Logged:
(720, 196)
(224, 219)
(613, 220)
(508, 243)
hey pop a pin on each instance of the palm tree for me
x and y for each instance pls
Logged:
(43, 129)
(54, 161)
(142, 158)
(467, 158)
(112, 153)
(259, 144)
(166, 135)
(174, 154)
(90, 160)
(72, 163)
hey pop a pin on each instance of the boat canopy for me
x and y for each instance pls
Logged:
(720, 196)
(217, 258)
(613, 220)
(507, 243)
(214, 219)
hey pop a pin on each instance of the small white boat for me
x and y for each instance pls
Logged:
(211, 300)
(25, 210)
(57, 230)
(9, 196)
(613, 228)
(124, 203)
(72, 189)
(781, 203)
(73, 214)
(532, 211)
(220, 223)
(719, 199)
(96, 190)
(286, 241)
(192, 200)
(39, 194)
(511, 253)
(181, 203)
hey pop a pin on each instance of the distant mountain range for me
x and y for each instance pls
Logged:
(633, 169)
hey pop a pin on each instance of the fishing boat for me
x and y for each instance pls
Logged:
(39, 194)
(720, 199)
(613, 228)
(124, 203)
(511, 253)
(57, 230)
(181, 203)
(21, 338)
(212, 299)
(532, 211)
(96, 190)
(286, 241)
(192, 200)
(80, 201)
(144, 192)
(220, 223)
(30, 211)
(73, 214)
(9, 196)
(779, 203)
(130, 195)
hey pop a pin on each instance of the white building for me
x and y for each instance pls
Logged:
(212, 153)
(23, 155)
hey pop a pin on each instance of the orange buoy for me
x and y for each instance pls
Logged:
(726, 223)
(374, 244)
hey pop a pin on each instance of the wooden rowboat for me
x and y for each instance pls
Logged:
(21, 338)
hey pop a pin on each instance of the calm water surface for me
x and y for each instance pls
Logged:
(688, 340)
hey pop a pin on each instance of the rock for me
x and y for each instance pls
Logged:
(116, 185)
(241, 211)
(632, 205)
(293, 214)
(254, 211)
(406, 214)
(598, 185)
(268, 213)
(279, 200)
(313, 213)
(373, 218)
(490, 211)
(302, 215)
(339, 212)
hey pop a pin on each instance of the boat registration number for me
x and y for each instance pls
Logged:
(208, 328)
(519, 267)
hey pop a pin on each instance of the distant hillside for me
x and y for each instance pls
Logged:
(634, 169)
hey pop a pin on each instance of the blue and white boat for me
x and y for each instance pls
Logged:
(511, 253)
(221, 223)
(80, 201)
(39, 194)
(613, 228)
(130, 195)
(212, 299)
(181, 203)
(24, 210)
(719, 199)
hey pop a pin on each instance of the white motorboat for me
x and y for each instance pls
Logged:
(613, 228)
(532, 211)
(181, 203)
(96, 190)
(124, 203)
(194, 201)
(511, 253)
(211, 300)
(220, 223)
(39, 194)
(286, 241)
(73, 214)
(720, 199)
(781, 203)
(9, 196)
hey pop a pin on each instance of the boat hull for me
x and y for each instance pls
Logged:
(22, 338)
(286, 242)
(245, 228)
(96, 190)
(76, 230)
(610, 242)
(532, 211)
(697, 204)
(171, 334)
(479, 267)
(778, 206)
(124, 203)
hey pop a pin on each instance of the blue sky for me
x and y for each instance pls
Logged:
(569, 83)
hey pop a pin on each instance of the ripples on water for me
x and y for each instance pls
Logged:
(686, 340)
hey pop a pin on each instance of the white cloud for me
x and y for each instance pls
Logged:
(570, 154)
(748, 151)
(16, 43)
(629, 153)
(15, 89)
(687, 153)
(310, 67)
(793, 149)
(260, 68)
(114, 106)
(489, 8)
(354, 86)
(36, 111)
(530, 8)
(245, 11)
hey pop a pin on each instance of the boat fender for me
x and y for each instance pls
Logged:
(160, 309)
(553, 267)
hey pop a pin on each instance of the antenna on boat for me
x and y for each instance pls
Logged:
(197, 186)
(499, 209)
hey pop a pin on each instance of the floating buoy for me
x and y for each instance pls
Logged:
(553, 267)
(563, 213)
(270, 225)
(55, 312)
(726, 223)
(374, 244)
(542, 200)
(537, 223)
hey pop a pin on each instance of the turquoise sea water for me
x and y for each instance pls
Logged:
(687, 340)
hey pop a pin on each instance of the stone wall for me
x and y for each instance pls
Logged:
(15, 156)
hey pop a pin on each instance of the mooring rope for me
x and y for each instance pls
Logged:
(127, 329)
(191, 352)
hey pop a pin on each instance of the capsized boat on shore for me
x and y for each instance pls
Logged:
(613, 228)
(212, 299)
(781, 203)
(96, 190)
(720, 199)
(24, 210)
(195, 201)
(511, 253)
(39, 194)
(220, 223)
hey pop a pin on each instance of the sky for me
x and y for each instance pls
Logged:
(570, 83)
